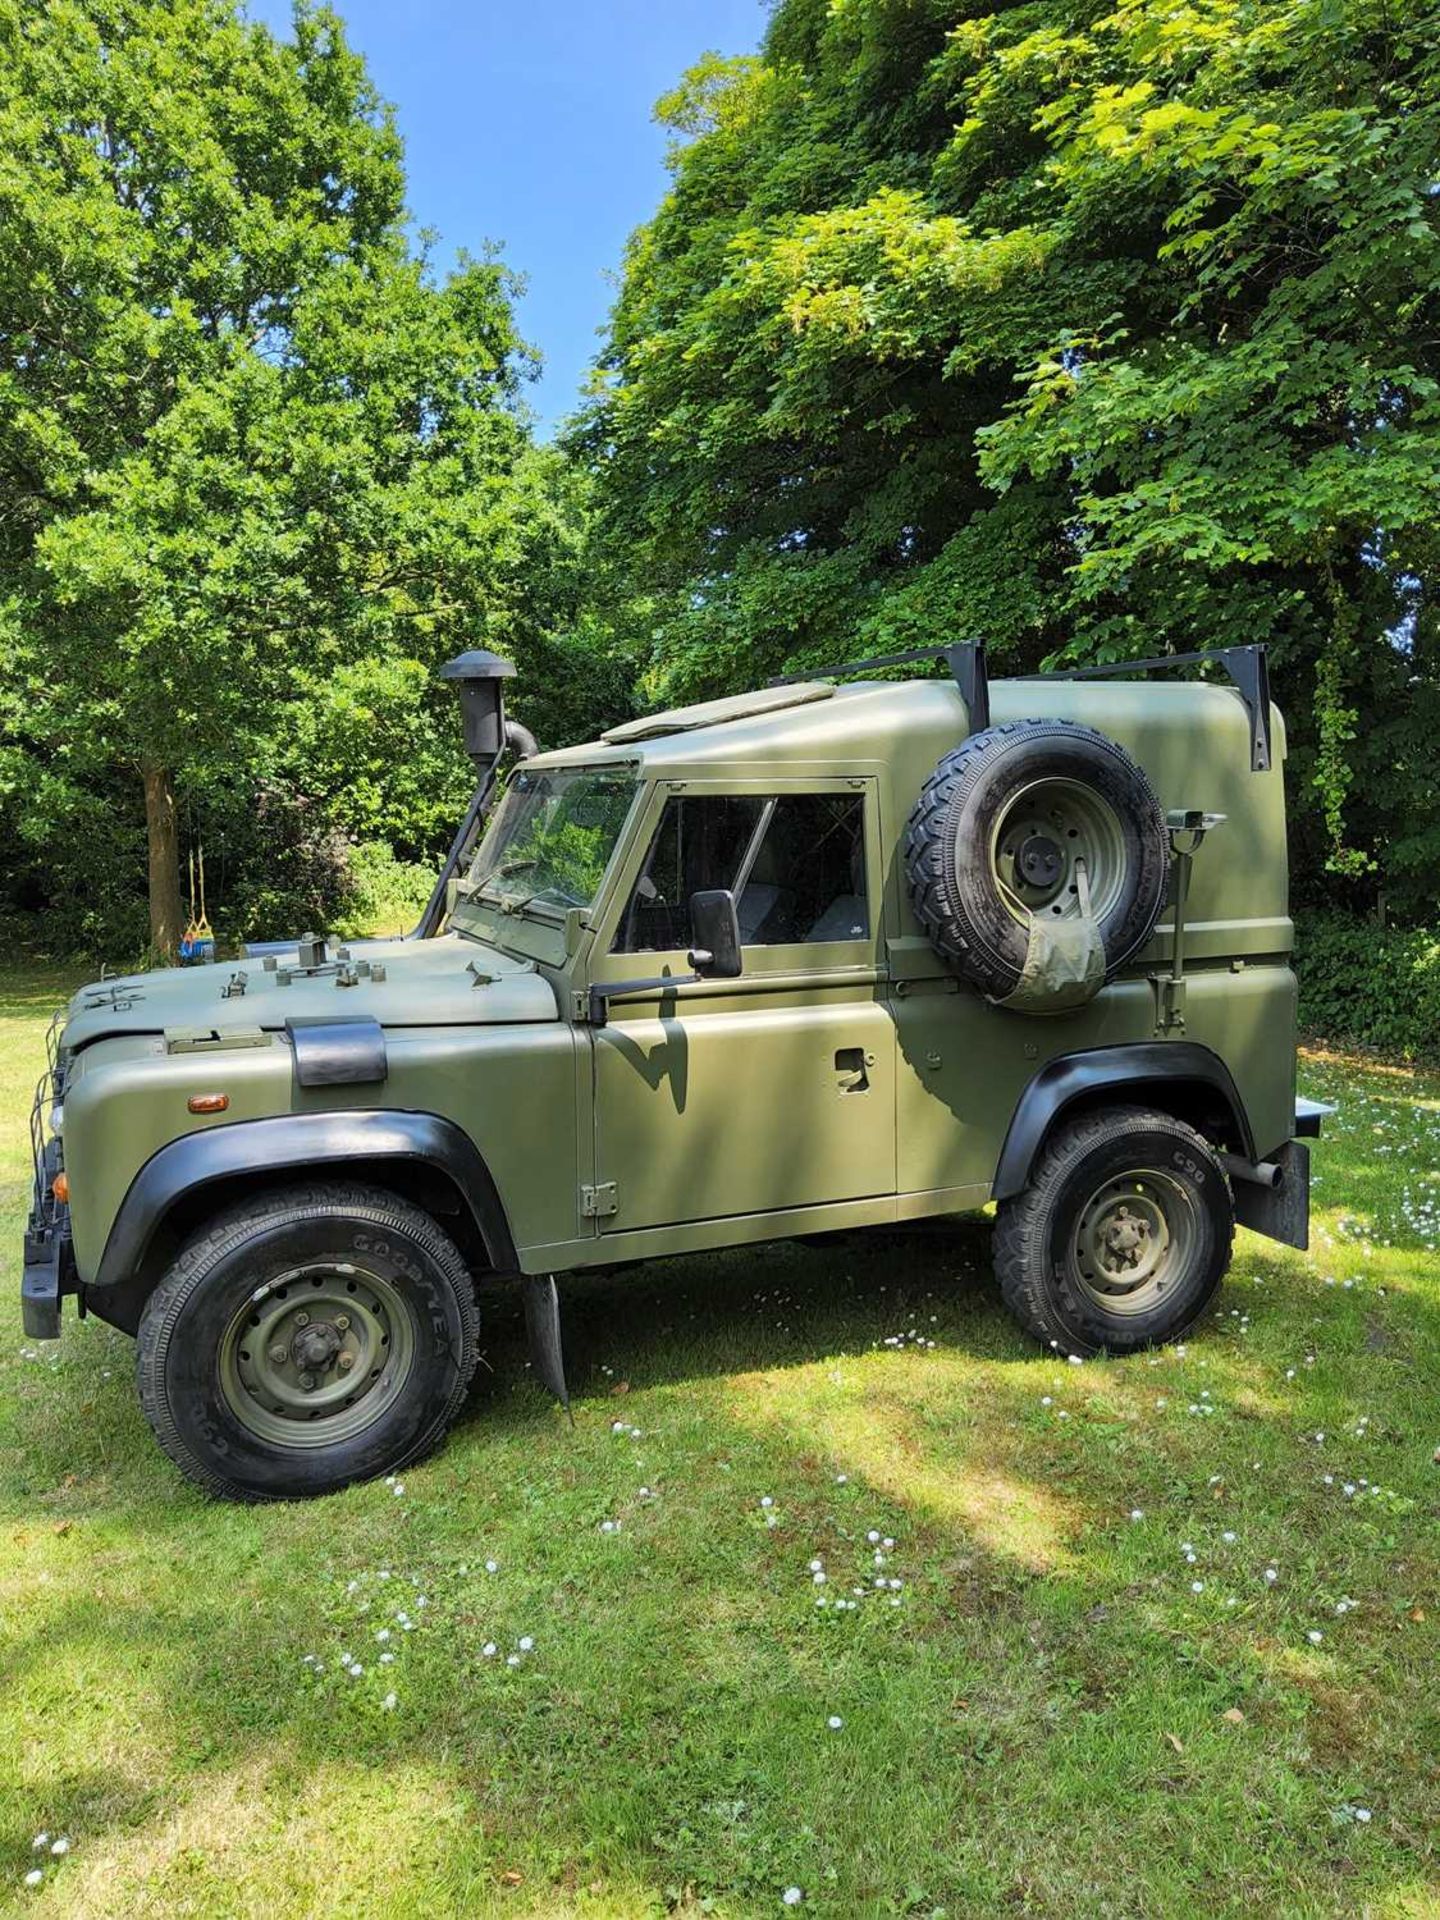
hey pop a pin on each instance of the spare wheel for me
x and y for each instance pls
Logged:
(1011, 833)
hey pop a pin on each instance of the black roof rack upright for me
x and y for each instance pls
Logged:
(1248, 668)
(966, 661)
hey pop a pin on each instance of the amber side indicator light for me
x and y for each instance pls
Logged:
(60, 1187)
(208, 1102)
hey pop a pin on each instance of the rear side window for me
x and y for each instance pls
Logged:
(795, 863)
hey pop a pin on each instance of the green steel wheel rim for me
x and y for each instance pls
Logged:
(316, 1356)
(1037, 840)
(1134, 1240)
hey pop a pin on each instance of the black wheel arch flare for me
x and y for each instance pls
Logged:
(301, 1144)
(1172, 1074)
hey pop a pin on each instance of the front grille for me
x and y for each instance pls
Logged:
(46, 1212)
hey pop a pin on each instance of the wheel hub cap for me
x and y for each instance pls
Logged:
(1043, 835)
(1133, 1239)
(316, 1355)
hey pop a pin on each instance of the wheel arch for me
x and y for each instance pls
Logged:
(1180, 1077)
(422, 1157)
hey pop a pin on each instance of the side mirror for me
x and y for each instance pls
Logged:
(715, 929)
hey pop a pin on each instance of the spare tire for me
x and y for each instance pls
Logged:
(993, 841)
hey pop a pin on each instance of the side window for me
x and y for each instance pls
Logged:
(796, 864)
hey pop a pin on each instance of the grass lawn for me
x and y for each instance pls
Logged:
(1145, 1637)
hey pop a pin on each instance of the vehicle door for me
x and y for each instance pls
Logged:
(773, 1091)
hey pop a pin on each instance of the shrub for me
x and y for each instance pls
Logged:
(1368, 986)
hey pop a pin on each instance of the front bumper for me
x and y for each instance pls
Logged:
(48, 1274)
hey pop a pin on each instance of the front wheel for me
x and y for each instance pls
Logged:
(1122, 1236)
(307, 1339)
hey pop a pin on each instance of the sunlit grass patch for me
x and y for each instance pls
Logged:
(599, 1669)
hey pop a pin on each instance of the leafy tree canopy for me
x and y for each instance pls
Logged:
(259, 470)
(1093, 329)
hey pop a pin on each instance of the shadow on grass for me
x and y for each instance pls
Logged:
(1010, 1717)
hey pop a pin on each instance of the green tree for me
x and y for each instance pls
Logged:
(1097, 329)
(259, 470)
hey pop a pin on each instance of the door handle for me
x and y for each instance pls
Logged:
(850, 1069)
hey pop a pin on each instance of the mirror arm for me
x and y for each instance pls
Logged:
(599, 996)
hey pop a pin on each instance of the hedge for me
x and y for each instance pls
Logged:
(1368, 986)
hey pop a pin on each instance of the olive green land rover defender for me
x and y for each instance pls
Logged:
(839, 953)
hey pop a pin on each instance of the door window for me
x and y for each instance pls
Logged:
(795, 863)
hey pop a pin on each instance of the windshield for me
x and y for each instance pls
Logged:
(550, 839)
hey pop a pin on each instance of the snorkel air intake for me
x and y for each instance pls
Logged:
(480, 678)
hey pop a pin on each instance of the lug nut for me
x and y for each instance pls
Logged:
(279, 1353)
(342, 1322)
(345, 1362)
(302, 1319)
(307, 1380)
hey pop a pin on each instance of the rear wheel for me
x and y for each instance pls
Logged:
(1122, 1236)
(307, 1339)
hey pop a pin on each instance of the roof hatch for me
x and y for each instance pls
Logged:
(713, 713)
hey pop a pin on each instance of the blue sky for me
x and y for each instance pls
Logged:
(530, 125)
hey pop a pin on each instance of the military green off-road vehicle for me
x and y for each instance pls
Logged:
(835, 954)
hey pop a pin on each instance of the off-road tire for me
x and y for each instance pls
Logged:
(953, 885)
(1036, 1233)
(187, 1319)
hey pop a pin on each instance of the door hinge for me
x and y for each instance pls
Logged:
(598, 1203)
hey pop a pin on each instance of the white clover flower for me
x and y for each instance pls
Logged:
(817, 1566)
(1197, 1586)
(60, 1846)
(34, 1877)
(525, 1642)
(819, 1579)
(1315, 1636)
(792, 1896)
(841, 1479)
(382, 1633)
(40, 1840)
(873, 1536)
(489, 1650)
(1136, 1514)
(766, 1501)
(1228, 1538)
(492, 1566)
(1362, 1814)
(1271, 1575)
(834, 1723)
(512, 1659)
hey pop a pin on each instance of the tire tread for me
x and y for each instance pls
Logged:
(198, 1255)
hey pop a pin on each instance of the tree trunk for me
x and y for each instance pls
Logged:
(164, 848)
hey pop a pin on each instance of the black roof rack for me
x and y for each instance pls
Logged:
(1247, 667)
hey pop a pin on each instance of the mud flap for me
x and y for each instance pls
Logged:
(542, 1329)
(1281, 1213)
